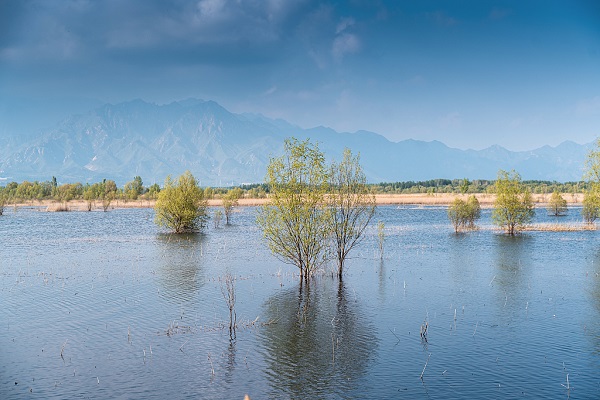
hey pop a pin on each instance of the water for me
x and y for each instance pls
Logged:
(104, 305)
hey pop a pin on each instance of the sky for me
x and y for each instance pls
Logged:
(471, 74)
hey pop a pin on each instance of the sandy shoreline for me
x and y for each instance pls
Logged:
(438, 199)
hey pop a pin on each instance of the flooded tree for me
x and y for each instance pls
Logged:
(591, 206)
(351, 205)
(557, 205)
(463, 214)
(2, 201)
(513, 207)
(296, 222)
(591, 198)
(230, 200)
(181, 206)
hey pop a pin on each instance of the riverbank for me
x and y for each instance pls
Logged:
(438, 199)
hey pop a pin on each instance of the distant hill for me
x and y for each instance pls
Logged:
(222, 148)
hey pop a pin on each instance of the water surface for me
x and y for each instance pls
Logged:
(105, 305)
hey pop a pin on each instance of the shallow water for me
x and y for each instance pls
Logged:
(104, 305)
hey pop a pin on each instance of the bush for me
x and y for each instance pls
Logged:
(181, 206)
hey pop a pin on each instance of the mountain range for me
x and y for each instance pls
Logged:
(223, 149)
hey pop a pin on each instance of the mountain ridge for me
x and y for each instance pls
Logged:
(119, 141)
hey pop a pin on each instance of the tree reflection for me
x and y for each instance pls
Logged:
(320, 344)
(595, 294)
(180, 272)
(512, 262)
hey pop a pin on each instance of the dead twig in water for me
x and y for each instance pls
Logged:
(426, 362)
(180, 349)
(212, 369)
(62, 349)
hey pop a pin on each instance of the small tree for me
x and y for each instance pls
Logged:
(295, 222)
(557, 205)
(352, 205)
(89, 196)
(181, 206)
(2, 202)
(463, 214)
(513, 207)
(591, 206)
(474, 211)
(457, 214)
(230, 200)
(591, 198)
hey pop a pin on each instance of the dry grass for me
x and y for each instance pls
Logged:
(57, 207)
(437, 199)
(554, 227)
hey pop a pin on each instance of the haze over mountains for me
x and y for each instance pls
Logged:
(222, 149)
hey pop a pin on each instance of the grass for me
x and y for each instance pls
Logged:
(555, 227)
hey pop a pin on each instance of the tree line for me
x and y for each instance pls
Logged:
(27, 191)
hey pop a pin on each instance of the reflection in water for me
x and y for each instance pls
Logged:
(512, 261)
(180, 269)
(594, 328)
(321, 344)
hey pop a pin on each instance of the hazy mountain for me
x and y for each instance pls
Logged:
(221, 148)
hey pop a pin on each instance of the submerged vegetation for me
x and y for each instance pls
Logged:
(463, 214)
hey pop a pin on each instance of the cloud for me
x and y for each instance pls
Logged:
(344, 44)
(344, 24)
(442, 19)
(499, 13)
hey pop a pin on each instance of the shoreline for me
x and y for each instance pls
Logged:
(437, 199)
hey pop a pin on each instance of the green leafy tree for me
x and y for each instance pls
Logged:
(230, 200)
(108, 192)
(153, 191)
(457, 214)
(513, 207)
(351, 205)
(463, 214)
(474, 211)
(591, 198)
(181, 206)
(464, 186)
(89, 196)
(591, 206)
(2, 200)
(134, 188)
(295, 223)
(557, 205)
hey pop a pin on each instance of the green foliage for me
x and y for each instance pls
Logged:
(591, 205)
(351, 205)
(513, 207)
(2, 200)
(153, 191)
(134, 188)
(591, 198)
(181, 206)
(230, 200)
(295, 223)
(557, 205)
(463, 214)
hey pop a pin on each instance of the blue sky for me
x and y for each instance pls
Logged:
(471, 74)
